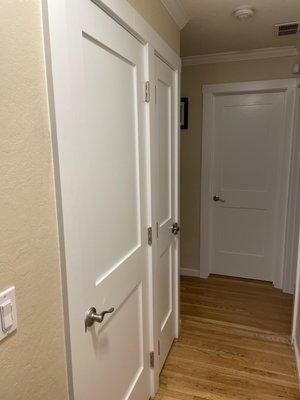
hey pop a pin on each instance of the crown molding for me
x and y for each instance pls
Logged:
(256, 54)
(177, 12)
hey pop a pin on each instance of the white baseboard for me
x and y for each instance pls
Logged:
(297, 355)
(204, 274)
(189, 272)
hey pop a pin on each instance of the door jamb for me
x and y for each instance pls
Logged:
(293, 214)
(209, 91)
(54, 14)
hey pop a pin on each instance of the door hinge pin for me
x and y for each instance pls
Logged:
(150, 235)
(147, 92)
(152, 359)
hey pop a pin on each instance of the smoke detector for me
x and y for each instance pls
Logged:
(243, 13)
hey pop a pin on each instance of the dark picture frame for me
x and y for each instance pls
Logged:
(184, 113)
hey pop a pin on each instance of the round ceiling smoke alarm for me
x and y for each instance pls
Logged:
(243, 13)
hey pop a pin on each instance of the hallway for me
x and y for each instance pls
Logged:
(234, 343)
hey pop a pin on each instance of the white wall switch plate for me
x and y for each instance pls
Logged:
(8, 312)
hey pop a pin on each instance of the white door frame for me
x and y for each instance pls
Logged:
(295, 245)
(55, 15)
(293, 215)
(288, 86)
(296, 312)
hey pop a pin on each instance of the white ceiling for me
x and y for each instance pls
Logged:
(213, 29)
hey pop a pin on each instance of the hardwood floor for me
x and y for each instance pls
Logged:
(234, 343)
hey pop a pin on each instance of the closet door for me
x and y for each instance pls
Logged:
(166, 235)
(101, 146)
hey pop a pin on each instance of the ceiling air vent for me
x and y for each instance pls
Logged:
(290, 28)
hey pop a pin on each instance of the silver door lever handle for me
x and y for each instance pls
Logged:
(91, 316)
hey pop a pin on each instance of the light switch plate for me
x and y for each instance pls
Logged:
(8, 312)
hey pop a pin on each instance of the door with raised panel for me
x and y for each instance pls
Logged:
(248, 161)
(102, 165)
(165, 136)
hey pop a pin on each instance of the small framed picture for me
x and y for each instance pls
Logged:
(184, 113)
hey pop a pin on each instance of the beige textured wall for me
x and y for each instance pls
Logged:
(158, 17)
(32, 361)
(193, 78)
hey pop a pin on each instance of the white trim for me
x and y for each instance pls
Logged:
(189, 272)
(176, 166)
(152, 250)
(209, 91)
(177, 12)
(296, 310)
(293, 215)
(255, 86)
(256, 54)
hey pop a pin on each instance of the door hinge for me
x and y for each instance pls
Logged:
(158, 348)
(152, 359)
(175, 228)
(147, 92)
(150, 235)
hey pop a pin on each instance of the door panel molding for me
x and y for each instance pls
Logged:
(210, 93)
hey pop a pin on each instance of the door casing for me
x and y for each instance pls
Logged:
(55, 15)
(288, 86)
(293, 215)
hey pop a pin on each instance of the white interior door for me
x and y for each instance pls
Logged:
(103, 187)
(165, 149)
(250, 167)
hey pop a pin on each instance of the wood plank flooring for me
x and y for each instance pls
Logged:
(235, 343)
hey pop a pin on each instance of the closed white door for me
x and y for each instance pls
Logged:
(165, 149)
(103, 186)
(249, 164)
